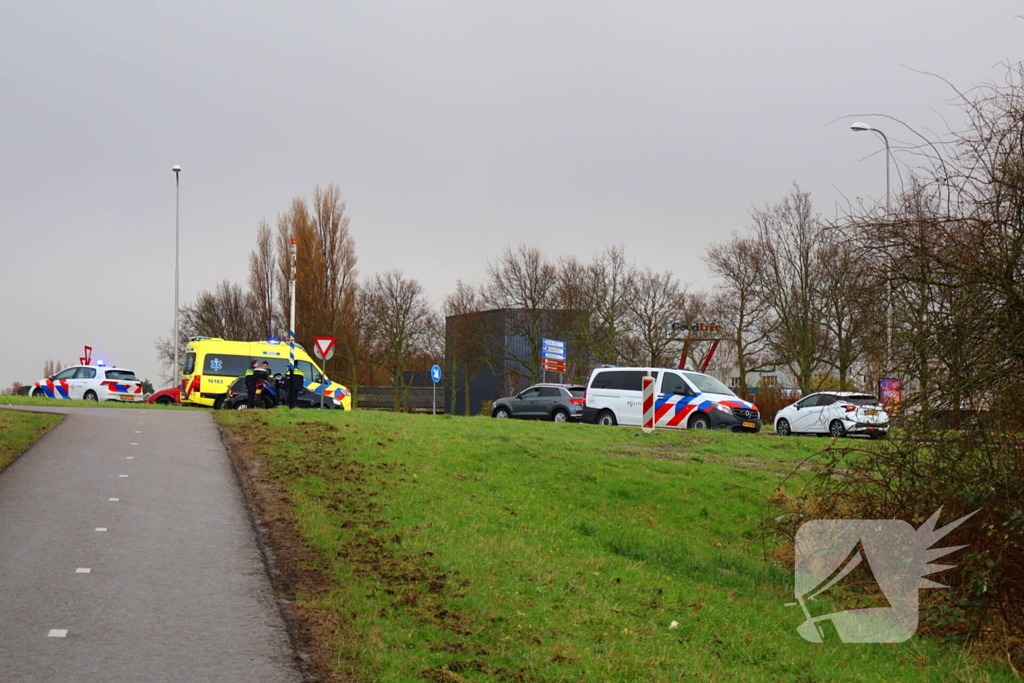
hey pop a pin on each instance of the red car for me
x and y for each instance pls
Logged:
(166, 397)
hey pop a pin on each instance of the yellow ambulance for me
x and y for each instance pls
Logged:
(212, 364)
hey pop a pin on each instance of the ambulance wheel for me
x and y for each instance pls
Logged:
(90, 396)
(606, 418)
(700, 421)
(218, 404)
(38, 393)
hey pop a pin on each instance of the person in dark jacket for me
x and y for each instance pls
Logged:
(251, 382)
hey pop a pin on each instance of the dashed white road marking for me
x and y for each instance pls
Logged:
(114, 500)
(57, 633)
(130, 457)
(83, 570)
(101, 528)
(122, 476)
(138, 432)
(135, 444)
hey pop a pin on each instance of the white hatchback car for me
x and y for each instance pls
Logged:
(91, 383)
(836, 413)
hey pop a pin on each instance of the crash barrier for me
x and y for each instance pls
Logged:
(383, 398)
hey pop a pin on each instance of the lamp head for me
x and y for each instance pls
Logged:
(176, 168)
(860, 126)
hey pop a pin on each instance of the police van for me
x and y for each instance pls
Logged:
(212, 364)
(683, 399)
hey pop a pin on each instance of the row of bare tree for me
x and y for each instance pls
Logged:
(380, 323)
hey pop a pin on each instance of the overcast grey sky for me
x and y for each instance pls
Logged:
(453, 128)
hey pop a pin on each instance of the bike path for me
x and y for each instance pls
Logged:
(176, 588)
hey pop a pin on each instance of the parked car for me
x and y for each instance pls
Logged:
(836, 413)
(272, 392)
(555, 402)
(683, 399)
(166, 397)
(91, 383)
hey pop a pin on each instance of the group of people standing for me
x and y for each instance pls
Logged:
(257, 374)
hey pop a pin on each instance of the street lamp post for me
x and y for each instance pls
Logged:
(858, 127)
(177, 192)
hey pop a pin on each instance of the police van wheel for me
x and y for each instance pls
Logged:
(38, 393)
(90, 396)
(606, 418)
(700, 422)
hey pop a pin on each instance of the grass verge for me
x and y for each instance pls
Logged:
(19, 430)
(469, 549)
(65, 403)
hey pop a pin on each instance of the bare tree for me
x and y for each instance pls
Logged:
(657, 303)
(398, 318)
(262, 268)
(743, 314)
(524, 281)
(789, 235)
(467, 341)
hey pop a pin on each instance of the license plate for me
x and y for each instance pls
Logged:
(871, 412)
(126, 397)
(750, 425)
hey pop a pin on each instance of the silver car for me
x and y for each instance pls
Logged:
(555, 402)
(836, 413)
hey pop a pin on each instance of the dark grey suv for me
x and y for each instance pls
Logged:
(556, 402)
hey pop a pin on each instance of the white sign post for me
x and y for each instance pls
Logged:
(435, 375)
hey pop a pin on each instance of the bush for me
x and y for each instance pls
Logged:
(909, 479)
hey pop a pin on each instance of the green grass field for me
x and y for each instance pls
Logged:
(19, 430)
(471, 549)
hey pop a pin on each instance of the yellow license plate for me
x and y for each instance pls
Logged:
(126, 397)
(750, 425)
(871, 412)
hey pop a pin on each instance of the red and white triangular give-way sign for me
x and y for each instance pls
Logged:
(323, 347)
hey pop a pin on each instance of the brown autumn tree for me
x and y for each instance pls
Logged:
(326, 288)
(262, 270)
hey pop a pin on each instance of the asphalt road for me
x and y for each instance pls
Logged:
(127, 529)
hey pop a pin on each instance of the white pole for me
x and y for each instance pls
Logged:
(177, 192)
(291, 329)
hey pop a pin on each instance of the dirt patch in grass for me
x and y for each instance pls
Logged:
(368, 547)
(294, 568)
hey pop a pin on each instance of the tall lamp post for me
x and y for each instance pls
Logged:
(177, 342)
(858, 127)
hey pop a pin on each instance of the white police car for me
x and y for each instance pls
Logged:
(91, 383)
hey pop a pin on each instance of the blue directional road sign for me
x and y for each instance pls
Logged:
(552, 349)
(435, 373)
